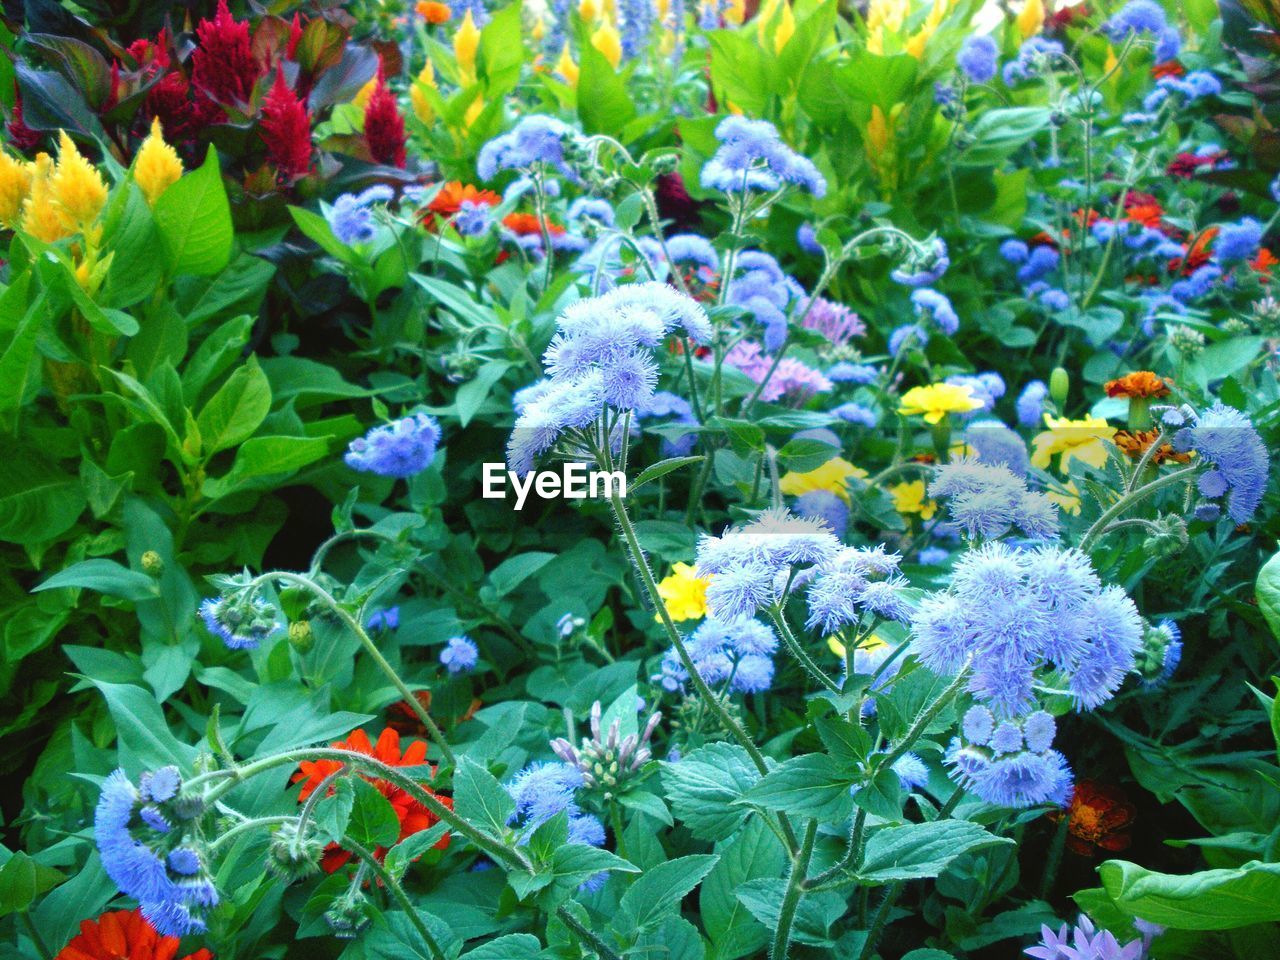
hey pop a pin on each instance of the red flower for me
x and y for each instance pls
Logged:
(1263, 263)
(384, 126)
(123, 935)
(526, 225)
(413, 816)
(286, 130)
(1142, 208)
(1196, 256)
(223, 67)
(1098, 819)
(1187, 165)
(295, 36)
(21, 136)
(674, 202)
(1170, 68)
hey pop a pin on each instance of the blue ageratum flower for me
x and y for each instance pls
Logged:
(638, 18)
(1160, 655)
(543, 790)
(1031, 404)
(923, 267)
(693, 250)
(398, 449)
(977, 58)
(987, 500)
(1034, 57)
(1009, 762)
(1238, 241)
(138, 830)
(934, 307)
(473, 219)
(761, 288)
(1010, 614)
(535, 141)
(460, 655)
(351, 218)
(752, 157)
(997, 445)
(1137, 16)
(735, 655)
(854, 581)
(1225, 439)
(673, 409)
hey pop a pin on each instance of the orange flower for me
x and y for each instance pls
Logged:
(1135, 443)
(413, 816)
(1263, 263)
(1197, 255)
(448, 201)
(1141, 383)
(1098, 819)
(526, 224)
(402, 718)
(1142, 208)
(123, 935)
(433, 12)
(1170, 68)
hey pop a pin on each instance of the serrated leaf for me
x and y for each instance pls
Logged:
(703, 787)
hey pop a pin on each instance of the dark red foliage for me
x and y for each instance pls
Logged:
(286, 130)
(21, 137)
(674, 202)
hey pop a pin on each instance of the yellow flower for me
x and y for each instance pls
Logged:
(878, 132)
(156, 167)
(76, 187)
(833, 477)
(608, 42)
(873, 642)
(778, 15)
(588, 10)
(1084, 439)
(684, 593)
(937, 400)
(890, 14)
(566, 67)
(15, 185)
(473, 112)
(39, 215)
(361, 99)
(422, 108)
(736, 12)
(1031, 18)
(466, 44)
(909, 497)
(916, 45)
(786, 28)
(1067, 499)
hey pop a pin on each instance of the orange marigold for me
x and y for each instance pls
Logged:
(1098, 819)
(413, 816)
(1141, 383)
(433, 12)
(526, 224)
(123, 935)
(1135, 443)
(449, 200)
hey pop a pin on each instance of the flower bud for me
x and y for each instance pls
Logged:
(294, 856)
(152, 563)
(300, 635)
(1059, 386)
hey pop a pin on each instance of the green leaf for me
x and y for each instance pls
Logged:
(333, 813)
(814, 915)
(754, 853)
(1268, 593)
(603, 102)
(104, 576)
(479, 798)
(513, 571)
(194, 219)
(1208, 900)
(513, 946)
(659, 890)
(662, 468)
(37, 500)
(236, 410)
(22, 880)
(809, 786)
(472, 394)
(998, 133)
(145, 739)
(267, 456)
(705, 785)
(921, 849)
(373, 820)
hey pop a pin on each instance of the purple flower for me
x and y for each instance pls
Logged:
(930, 305)
(460, 655)
(1137, 16)
(401, 448)
(752, 156)
(1238, 241)
(977, 58)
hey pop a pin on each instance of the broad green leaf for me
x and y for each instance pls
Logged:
(754, 853)
(1208, 900)
(1268, 593)
(513, 946)
(104, 576)
(38, 501)
(513, 571)
(373, 821)
(267, 456)
(479, 798)
(809, 786)
(921, 849)
(145, 739)
(236, 410)
(661, 469)
(703, 787)
(22, 880)
(659, 890)
(814, 915)
(333, 813)
(194, 219)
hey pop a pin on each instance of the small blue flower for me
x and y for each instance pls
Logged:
(930, 305)
(242, 623)
(398, 449)
(1031, 403)
(1225, 438)
(922, 269)
(460, 655)
(533, 141)
(752, 157)
(977, 58)
(350, 217)
(856, 413)
(473, 219)
(857, 373)
(388, 619)
(807, 240)
(1137, 16)
(825, 506)
(1238, 241)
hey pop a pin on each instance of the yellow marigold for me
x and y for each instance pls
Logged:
(77, 189)
(422, 108)
(909, 497)
(466, 44)
(1067, 499)
(1085, 439)
(156, 167)
(937, 400)
(833, 477)
(15, 185)
(608, 42)
(1142, 384)
(39, 215)
(684, 593)
(566, 67)
(1031, 18)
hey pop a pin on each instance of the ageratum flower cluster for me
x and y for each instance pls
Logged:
(535, 142)
(1010, 762)
(543, 790)
(1224, 438)
(987, 500)
(752, 157)
(853, 581)
(401, 448)
(144, 838)
(735, 653)
(601, 359)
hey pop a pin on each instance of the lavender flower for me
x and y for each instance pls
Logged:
(752, 157)
(534, 141)
(1226, 439)
(401, 448)
(986, 501)
(977, 58)
(1238, 241)
(350, 217)
(1009, 763)
(460, 655)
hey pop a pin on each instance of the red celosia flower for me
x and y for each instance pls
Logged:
(413, 816)
(286, 130)
(223, 67)
(21, 136)
(384, 126)
(295, 37)
(526, 225)
(1059, 20)
(123, 935)
(674, 202)
(433, 12)
(1098, 819)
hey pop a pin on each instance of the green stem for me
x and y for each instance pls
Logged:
(391, 883)
(585, 934)
(795, 891)
(878, 922)
(1128, 500)
(797, 651)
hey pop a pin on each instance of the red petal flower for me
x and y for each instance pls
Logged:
(224, 68)
(123, 935)
(384, 126)
(286, 130)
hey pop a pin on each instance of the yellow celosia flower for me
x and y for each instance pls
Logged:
(890, 14)
(684, 593)
(937, 400)
(539, 30)
(15, 185)
(473, 112)
(608, 42)
(1031, 18)
(1068, 499)
(915, 45)
(361, 99)
(833, 477)
(873, 642)
(736, 12)
(588, 10)
(422, 108)
(466, 44)
(662, 8)
(786, 28)
(77, 189)
(156, 167)
(39, 215)
(1084, 439)
(566, 67)
(909, 497)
